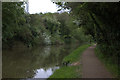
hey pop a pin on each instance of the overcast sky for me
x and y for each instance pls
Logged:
(37, 6)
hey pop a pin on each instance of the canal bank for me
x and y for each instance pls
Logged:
(72, 67)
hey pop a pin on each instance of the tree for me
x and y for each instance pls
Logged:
(11, 20)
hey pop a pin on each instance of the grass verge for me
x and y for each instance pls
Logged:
(71, 71)
(108, 62)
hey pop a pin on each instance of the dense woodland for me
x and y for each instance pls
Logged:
(38, 29)
(85, 22)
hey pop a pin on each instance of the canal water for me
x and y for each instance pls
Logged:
(37, 62)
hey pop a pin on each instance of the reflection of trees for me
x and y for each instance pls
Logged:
(22, 63)
(18, 63)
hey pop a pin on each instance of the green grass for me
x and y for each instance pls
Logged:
(71, 71)
(76, 54)
(108, 62)
(65, 72)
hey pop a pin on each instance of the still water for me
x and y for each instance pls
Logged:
(39, 62)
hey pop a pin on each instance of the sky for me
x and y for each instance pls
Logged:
(37, 6)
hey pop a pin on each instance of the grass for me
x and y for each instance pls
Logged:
(108, 62)
(65, 72)
(71, 71)
(76, 54)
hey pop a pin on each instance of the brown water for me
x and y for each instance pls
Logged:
(40, 62)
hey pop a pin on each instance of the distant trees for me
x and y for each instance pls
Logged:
(38, 29)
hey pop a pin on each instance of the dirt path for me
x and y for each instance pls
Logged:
(92, 67)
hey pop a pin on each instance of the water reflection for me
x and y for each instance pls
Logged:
(38, 62)
(41, 73)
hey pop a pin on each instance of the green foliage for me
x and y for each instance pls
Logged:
(38, 29)
(79, 35)
(11, 19)
(97, 19)
(16, 25)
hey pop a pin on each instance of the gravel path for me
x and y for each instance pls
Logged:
(92, 67)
